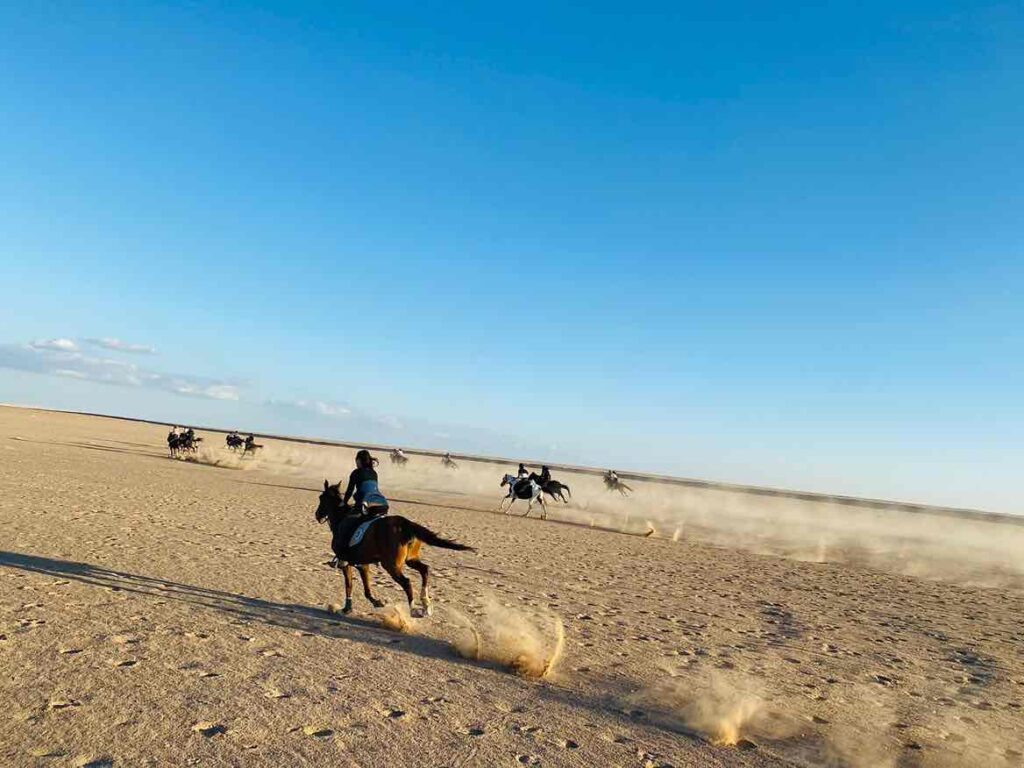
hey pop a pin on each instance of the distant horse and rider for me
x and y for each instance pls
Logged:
(250, 446)
(553, 488)
(365, 534)
(398, 457)
(524, 488)
(531, 487)
(613, 483)
(448, 462)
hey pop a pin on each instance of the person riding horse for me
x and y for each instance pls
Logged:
(543, 478)
(370, 503)
(363, 486)
(522, 471)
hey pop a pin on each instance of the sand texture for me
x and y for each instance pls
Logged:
(168, 612)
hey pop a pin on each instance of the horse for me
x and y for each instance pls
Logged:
(234, 441)
(399, 458)
(557, 490)
(523, 488)
(250, 448)
(448, 462)
(187, 442)
(613, 483)
(552, 488)
(174, 444)
(390, 540)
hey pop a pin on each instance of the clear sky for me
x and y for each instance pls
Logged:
(770, 243)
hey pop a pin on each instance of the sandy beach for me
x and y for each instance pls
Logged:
(169, 612)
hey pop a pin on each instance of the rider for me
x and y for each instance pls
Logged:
(523, 471)
(249, 440)
(612, 476)
(545, 475)
(362, 483)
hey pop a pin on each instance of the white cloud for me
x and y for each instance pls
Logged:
(315, 407)
(60, 357)
(61, 345)
(108, 342)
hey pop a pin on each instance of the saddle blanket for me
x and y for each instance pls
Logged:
(360, 532)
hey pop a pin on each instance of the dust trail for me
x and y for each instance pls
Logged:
(512, 638)
(725, 710)
(981, 552)
(215, 457)
(396, 617)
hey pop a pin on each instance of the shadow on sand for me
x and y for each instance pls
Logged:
(242, 608)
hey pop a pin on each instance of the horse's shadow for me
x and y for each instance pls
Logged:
(244, 609)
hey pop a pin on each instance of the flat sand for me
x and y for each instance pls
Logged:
(168, 612)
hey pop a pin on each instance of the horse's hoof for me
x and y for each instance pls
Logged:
(416, 613)
(428, 610)
(347, 607)
(377, 603)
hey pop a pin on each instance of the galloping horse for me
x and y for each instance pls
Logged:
(613, 483)
(399, 458)
(523, 488)
(248, 447)
(234, 441)
(390, 540)
(448, 462)
(552, 488)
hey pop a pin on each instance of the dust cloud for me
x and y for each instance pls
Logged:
(529, 644)
(727, 710)
(936, 545)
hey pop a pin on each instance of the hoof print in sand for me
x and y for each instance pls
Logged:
(317, 731)
(40, 752)
(209, 730)
(61, 703)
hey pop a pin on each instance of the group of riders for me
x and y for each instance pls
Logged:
(183, 441)
(248, 444)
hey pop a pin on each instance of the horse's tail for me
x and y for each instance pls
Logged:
(411, 530)
(566, 488)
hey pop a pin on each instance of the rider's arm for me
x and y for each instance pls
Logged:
(351, 486)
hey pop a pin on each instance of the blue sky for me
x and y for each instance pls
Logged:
(769, 244)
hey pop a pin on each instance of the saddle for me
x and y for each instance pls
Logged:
(350, 532)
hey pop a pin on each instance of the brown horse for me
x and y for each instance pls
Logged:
(392, 541)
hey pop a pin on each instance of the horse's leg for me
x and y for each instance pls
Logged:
(543, 509)
(423, 569)
(364, 574)
(394, 568)
(347, 571)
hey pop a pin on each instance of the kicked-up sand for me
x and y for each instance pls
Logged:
(169, 613)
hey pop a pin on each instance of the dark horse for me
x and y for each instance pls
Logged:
(250, 448)
(392, 541)
(552, 488)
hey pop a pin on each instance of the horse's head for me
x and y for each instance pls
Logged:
(330, 502)
(506, 480)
